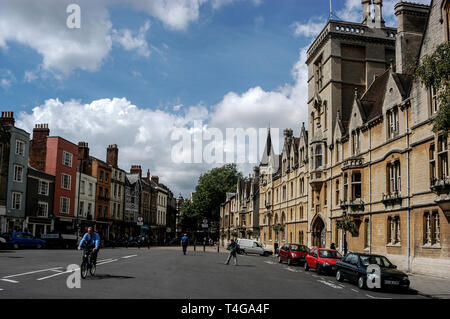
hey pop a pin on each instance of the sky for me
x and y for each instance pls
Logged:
(137, 71)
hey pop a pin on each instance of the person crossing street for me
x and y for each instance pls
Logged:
(184, 243)
(233, 252)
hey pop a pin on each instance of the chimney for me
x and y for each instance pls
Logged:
(136, 169)
(155, 179)
(83, 156)
(411, 20)
(112, 155)
(7, 118)
(38, 146)
(366, 10)
(373, 13)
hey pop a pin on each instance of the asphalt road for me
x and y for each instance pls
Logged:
(167, 273)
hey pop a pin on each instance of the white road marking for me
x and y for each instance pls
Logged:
(270, 262)
(60, 273)
(124, 257)
(354, 290)
(9, 280)
(1, 289)
(31, 272)
(329, 284)
(107, 262)
(99, 261)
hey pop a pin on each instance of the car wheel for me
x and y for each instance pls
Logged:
(279, 259)
(361, 282)
(38, 246)
(305, 265)
(318, 269)
(16, 246)
(339, 276)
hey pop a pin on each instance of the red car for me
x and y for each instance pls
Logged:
(292, 253)
(321, 259)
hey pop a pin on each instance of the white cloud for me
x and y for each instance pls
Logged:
(216, 4)
(129, 42)
(310, 29)
(7, 78)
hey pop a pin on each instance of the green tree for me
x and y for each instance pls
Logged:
(347, 225)
(434, 71)
(211, 191)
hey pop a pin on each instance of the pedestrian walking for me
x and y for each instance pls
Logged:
(233, 250)
(332, 246)
(184, 243)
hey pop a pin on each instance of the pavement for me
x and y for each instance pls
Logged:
(165, 273)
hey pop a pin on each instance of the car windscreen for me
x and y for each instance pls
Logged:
(375, 260)
(330, 254)
(298, 248)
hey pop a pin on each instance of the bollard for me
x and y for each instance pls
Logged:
(204, 246)
(218, 247)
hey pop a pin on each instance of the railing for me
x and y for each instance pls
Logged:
(353, 162)
(353, 205)
(440, 185)
(392, 198)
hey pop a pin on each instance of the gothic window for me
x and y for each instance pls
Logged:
(393, 230)
(393, 123)
(345, 186)
(318, 73)
(432, 164)
(394, 181)
(431, 229)
(318, 156)
(337, 192)
(356, 185)
(355, 142)
(442, 157)
(434, 107)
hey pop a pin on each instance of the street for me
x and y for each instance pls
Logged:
(164, 272)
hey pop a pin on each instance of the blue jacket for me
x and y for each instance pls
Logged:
(87, 239)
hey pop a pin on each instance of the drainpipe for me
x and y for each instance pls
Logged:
(408, 189)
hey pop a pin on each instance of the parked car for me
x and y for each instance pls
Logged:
(293, 254)
(322, 260)
(60, 241)
(18, 240)
(3, 243)
(353, 267)
(250, 246)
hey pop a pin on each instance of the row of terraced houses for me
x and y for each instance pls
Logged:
(51, 185)
(369, 154)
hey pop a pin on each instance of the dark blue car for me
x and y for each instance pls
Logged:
(18, 240)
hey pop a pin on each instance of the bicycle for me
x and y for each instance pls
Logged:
(87, 265)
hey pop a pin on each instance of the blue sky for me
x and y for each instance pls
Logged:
(137, 70)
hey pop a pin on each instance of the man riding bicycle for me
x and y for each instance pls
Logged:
(91, 240)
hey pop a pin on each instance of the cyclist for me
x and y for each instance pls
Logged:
(92, 240)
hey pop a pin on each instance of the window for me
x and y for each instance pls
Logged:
(301, 212)
(114, 210)
(318, 156)
(433, 100)
(393, 124)
(105, 211)
(91, 189)
(89, 209)
(345, 186)
(355, 142)
(99, 212)
(292, 190)
(318, 74)
(300, 237)
(81, 209)
(337, 192)
(393, 230)
(16, 200)
(42, 209)
(106, 177)
(65, 181)
(20, 147)
(325, 195)
(82, 186)
(64, 205)
(101, 175)
(356, 185)
(284, 192)
(394, 181)
(115, 190)
(106, 193)
(43, 188)
(432, 229)
(67, 159)
(442, 157)
(18, 173)
(432, 164)
(366, 233)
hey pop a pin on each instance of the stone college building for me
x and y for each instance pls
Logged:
(369, 154)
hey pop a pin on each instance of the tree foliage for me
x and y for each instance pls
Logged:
(347, 224)
(210, 192)
(434, 71)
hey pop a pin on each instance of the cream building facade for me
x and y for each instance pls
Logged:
(370, 154)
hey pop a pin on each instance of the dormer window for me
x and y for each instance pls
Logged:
(393, 123)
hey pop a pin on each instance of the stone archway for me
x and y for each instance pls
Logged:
(318, 233)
